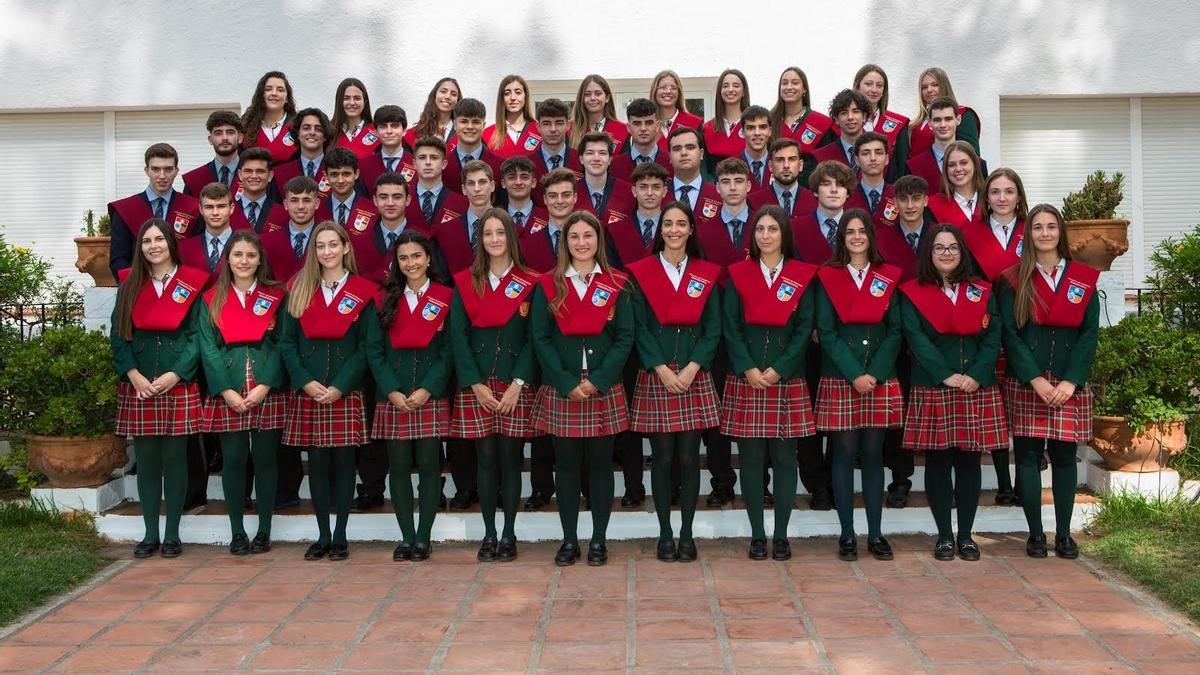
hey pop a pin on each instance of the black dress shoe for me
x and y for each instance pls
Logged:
(720, 496)
(757, 550)
(339, 552)
(848, 549)
(781, 550)
(403, 551)
(536, 501)
(487, 550)
(633, 498)
(597, 554)
(261, 543)
(1035, 546)
(1006, 498)
(898, 496)
(421, 551)
(145, 549)
(239, 545)
(666, 551)
(171, 549)
(567, 554)
(506, 551)
(686, 551)
(366, 503)
(1064, 547)
(821, 501)
(461, 501)
(943, 550)
(968, 550)
(880, 548)
(316, 551)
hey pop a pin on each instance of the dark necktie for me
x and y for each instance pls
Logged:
(647, 232)
(472, 232)
(298, 244)
(831, 233)
(597, 199)
(391, 163)
(736, 226)
(873, 199)
(912, 238)
(225, 175)
(554, 241)
(427, 206)
(342, 214)
(786, 199)
(160, 208)
(252, 213)
(1004, 228)
(684, 190)
(555, 160)
(311, 170)
(214, 253)
(467, 158)
(756, 166)
(642, 159)
(391, 239)
(850, 159)
(519, 219)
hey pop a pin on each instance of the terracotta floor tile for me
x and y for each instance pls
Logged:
(277, 592)
(988, 583)
(79, 611)
(1069, 582)
(985, 566)
(217, 574)
(996, 668)
(1186, 667)
(1154, 647)
(192, 657)
(390, 632)
(256, 611)
(1092, 600)
(404, 609)
(941, 604)
(582, 655)
(519, 629)
(910, 584)
(390, 658)
(155, 575)
(648, 608)
(498, 609)
(809, 568)
(1018, 623)
(676, 629)
(532, 572)
(853, 626)
(829, 585)
(964, 649)
(585, 630)
(316, 633)
(188, 592)
(598, 609)
(758, 607)
(853, 655)
(1018, 601)
(754, 654)
(297, 657)
(511, 590)
(684, 588)
(651, 655)
(143, 633)
(1098, 667)
(67, 634)
(768, 628)
(766, 586)
(1105, 621)
(171, 611)
(122, 591)
(497, 656)
(825, 605)
(107, 658)
(231, 633)
(1060, 648)
(336, 611)
(27, 657)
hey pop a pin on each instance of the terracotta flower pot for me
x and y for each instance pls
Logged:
(1098, 242)
(1122, 450)
(93, 260)
(76, 461)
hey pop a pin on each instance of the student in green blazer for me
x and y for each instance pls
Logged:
(494, 362)
(1051, 319)
(955, 411)
(582, 324)
(409, 356)
(320, 340)
(155, 356)
(243, 370)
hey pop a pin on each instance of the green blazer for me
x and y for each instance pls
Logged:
(155, 352)
(225, 365)
(1034, 349)
(658, 344)
(850, 350)
(406, 370)
(937, 356)
(505, 352)
(561, 356)
(337, 363)
(783, 348)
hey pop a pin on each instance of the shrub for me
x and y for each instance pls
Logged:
(60, 383)
(1145, 370)
(1097, 199)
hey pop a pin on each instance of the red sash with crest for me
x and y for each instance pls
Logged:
(993, 258)
(251, 322)
(364, 143)
(675, 306)
(586, 316)
(413, 329)
(772, 305)
(968, 315)
(1064, 307)
(322, 321)
(182, 213)
(494, 308)
(860, 305)
(165, 312)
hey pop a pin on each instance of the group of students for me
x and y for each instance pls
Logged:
(679, 262)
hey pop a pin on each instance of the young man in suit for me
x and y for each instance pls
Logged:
(756, 129)
(517, 180)
(873, 192)
(849, 108)
(784, 189)
(225, 134)
(390, 123)
(631, 239)
(686, 147)
(432, 200)
(943, 121)
(469, 121)
(344, 205)
(312, 130)
(553, 118)
(605, 195)
(254, 208)
(204, 252)
(158, 200)
(644, 132)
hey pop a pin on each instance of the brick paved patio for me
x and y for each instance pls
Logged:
(1006, 613)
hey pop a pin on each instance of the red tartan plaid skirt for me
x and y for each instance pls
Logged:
(781, 411)
(472, 420)
(840, 408)
(658, 411)
(314, 425)
(176, 412)
(939, 418)
(1028, 414)
(431, 420)
(270, 414)
(601, 415)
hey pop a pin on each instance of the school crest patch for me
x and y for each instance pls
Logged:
(974, 294)
(407, 173)
(536, 225)
(532, 143)
(808, 136)
(695, 287)
(709, 208)
(430, 311)
(288, 139)
(362, 220)
(1020, 247)
(347, 305)
(889, 126)
(323, 186)
(889, 210)
(448, 215)
(1075, 293)
(262, 306)
(524, 309)
(514, 288)
(181, 293)
(878, 287)
(600, 297)
(785, 292)
(182, 222)
(370, 139)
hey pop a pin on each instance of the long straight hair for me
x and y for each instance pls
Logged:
(308, 279)
(841, 257)
(776, 212)
(339, 110)
(779, 110)
(427, 122)
(927, 273)
(564, 256)
(680, 101)
(1022, 210)
(396, 282)
(482, 263)
(579, 117)
(262, 276)
(944, 89)
(139, 271)
(500, 130)
(692, 246)
(977, 180)
(867, 69)
(1026, 296)
(718, 120)
(253, 117)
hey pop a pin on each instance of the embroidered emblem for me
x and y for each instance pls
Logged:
(809, 135)
(430, 311)
(182, 222)
(407, 172)
(347, 305)
(600, 297)
(974, 294)
(709, 209)
(262, 306)
(1020, 246)
(1075, 293)
(288, 139)
(889, 210)
(889, 126)
(369, 138)
(448, 215)
(785, 292)
(695, 287)
(524, 309)
(362, 220)
(323, 186)
(181, 294)
(514, 288)
(532, 143)
(878, 287)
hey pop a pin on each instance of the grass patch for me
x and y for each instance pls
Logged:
(1153, 542)
(45, 553)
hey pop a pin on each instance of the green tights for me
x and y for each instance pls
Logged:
(331, 467)
(161, 472)
(428, 454)
(498, 471)
(753, 455)
(569, 457)
(236, 448)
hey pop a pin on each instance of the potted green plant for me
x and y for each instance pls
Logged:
(92, 249)
(59, 392)
(1094, 233)
(1144, 381)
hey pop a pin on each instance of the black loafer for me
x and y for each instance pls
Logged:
(366, 503)
(487, 550)
(567, 554)
(506, 551)
(757, 550)
(897, 496)
(172, 549)
(461, 501)
(943, 550)
(261, 543)
(719, 497)
(781, 550)
(316, 551)
(421, 551)
(666, 551)
(1035, 546)
(339, 552)
(239, 545)
(536, 501)
(597, 554)
(403, 551)
(686, 551)
(848, 549)
(880, 548)
(1006, 498)
(633, 499)
(145, 549)
(968, 550)
(1064, 547)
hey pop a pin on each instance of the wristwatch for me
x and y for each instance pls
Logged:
(518, 381)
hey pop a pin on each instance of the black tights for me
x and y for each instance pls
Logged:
(331, 467)
(498, 469)
(962, 489)
(681, 449)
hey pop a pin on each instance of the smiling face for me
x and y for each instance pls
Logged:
(649, 192)
(1002, 196)
(311, 135)
(215, 213)
(155, 249)
(930, 89)
(872, 86)
(768, 236)
(244, 260)
(341, 180)
(1045, 231)
(757, 132)
(960, 170)
(330, 249)
(494, 238)
(518, 183)
(469, 130)
(560, 199)
(275, 94)
(791, 87)
(446, 97)
(582, 244)
(675, 230)
(254, 175)
(353, 100)
(413, 262)
(594, 98)
(596, 157)
(944, 123)
(514, 97)
(851, 120)
(946, 253)
(666, 93)
(732, 90)
(912, 207)
(300, 207)
(857, 242)
(225, 140)
(391, 200)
